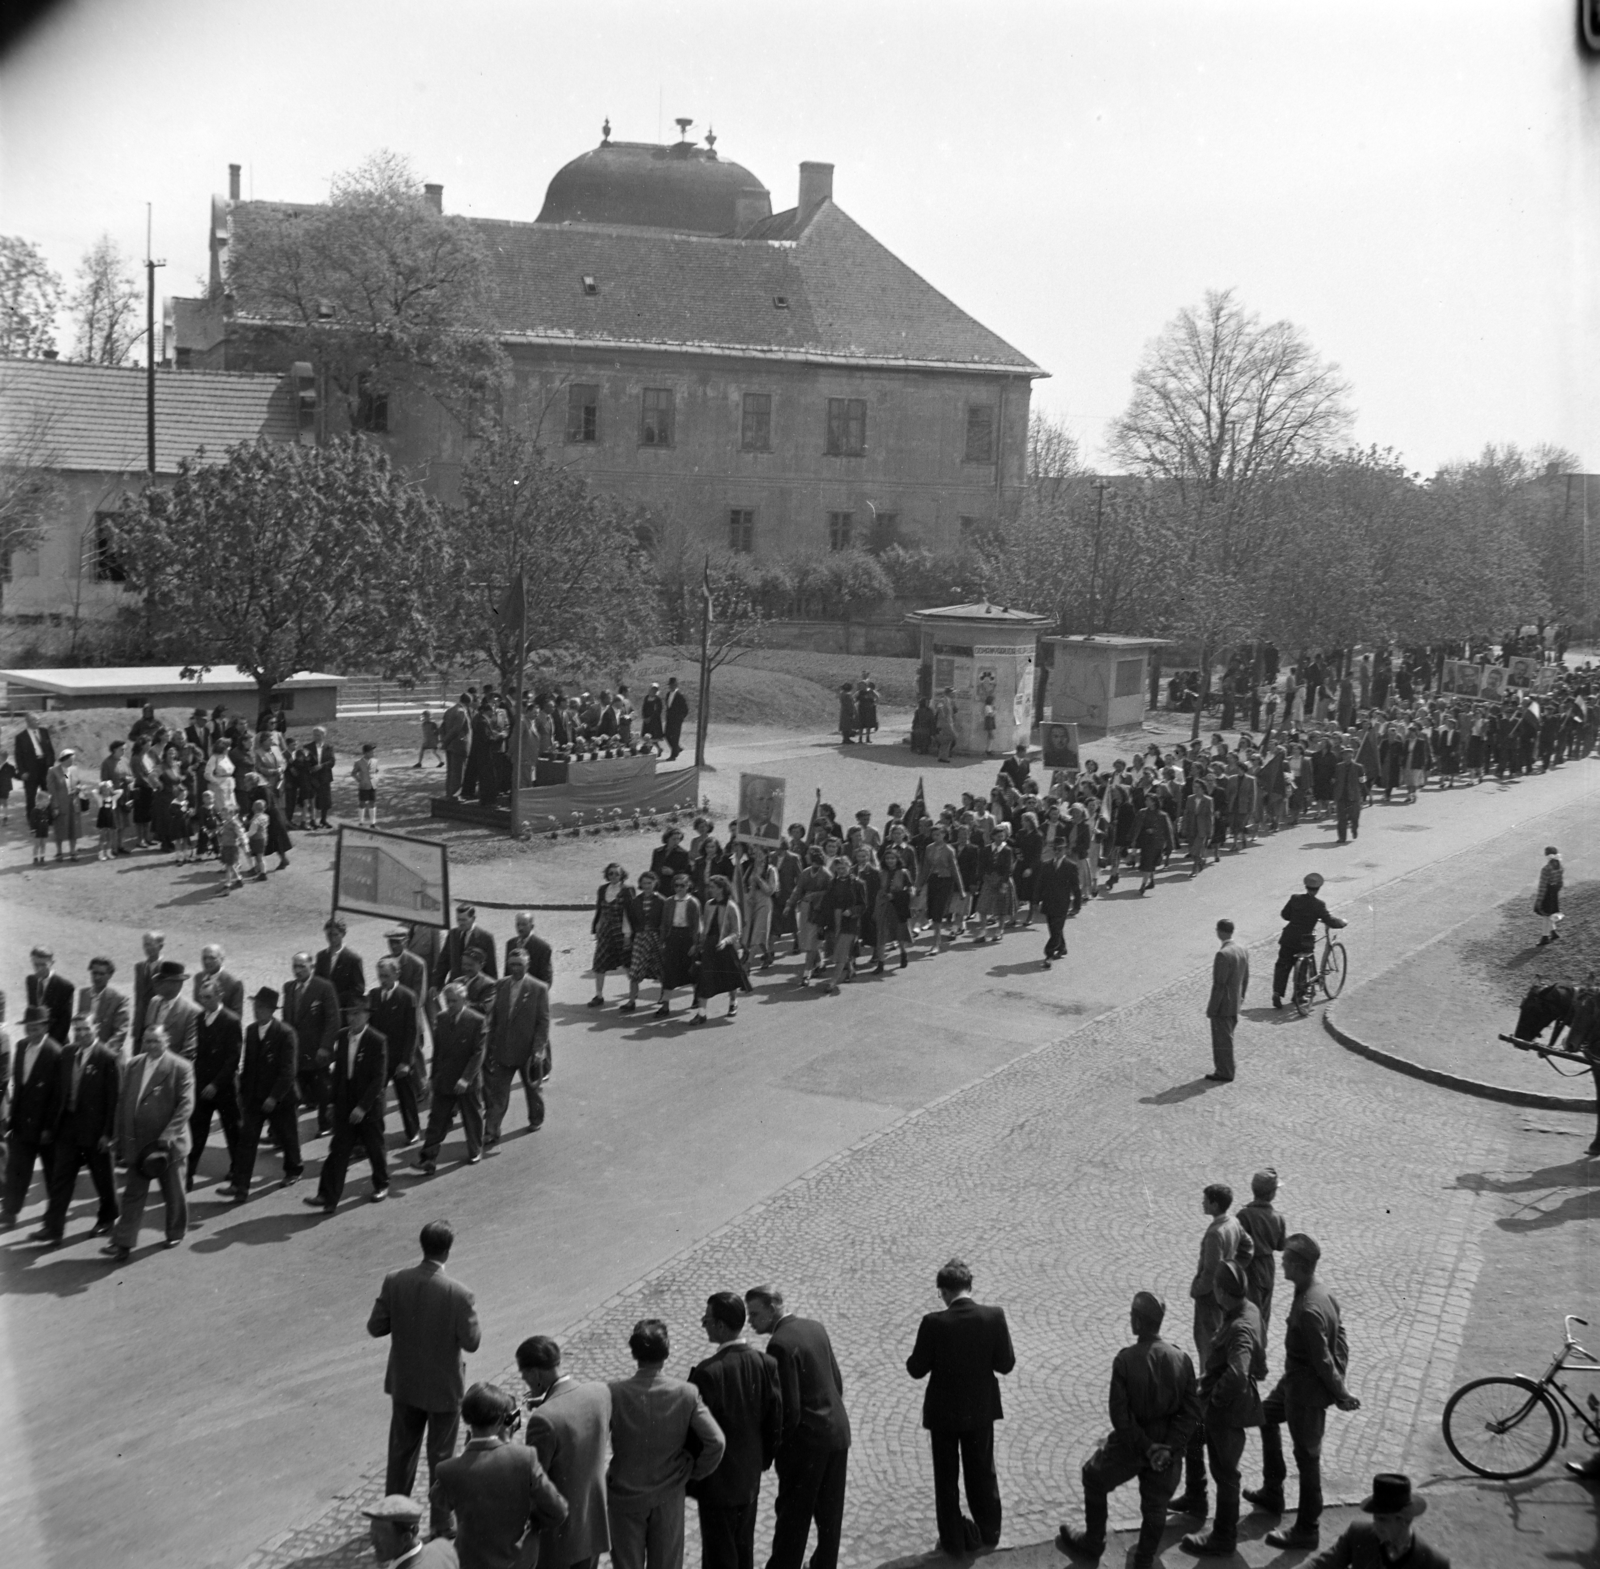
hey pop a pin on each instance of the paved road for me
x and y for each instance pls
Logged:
(1052, 1127)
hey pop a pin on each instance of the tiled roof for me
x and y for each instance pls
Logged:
(846, 296)
(92, 417)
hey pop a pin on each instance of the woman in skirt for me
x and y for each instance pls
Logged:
(645, 964)
(721, 969)
(613, 929)
(680, 936)
(995, 862)
(142, 765)
(894, 913)
(760, 887)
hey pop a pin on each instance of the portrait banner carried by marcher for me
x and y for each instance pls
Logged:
(760, 819)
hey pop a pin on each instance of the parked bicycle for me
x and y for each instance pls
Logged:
(1509, 1426)
(1316, 971)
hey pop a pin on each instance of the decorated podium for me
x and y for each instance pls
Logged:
(582, 787)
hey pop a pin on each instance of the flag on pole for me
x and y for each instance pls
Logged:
(816, 817)
(918, 808)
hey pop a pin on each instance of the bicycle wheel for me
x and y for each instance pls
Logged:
(1501, 1427)
(1334, 968)
(1304, 984)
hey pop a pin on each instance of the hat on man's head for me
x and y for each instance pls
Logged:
(1230, 1281)
(396, 1507)
(1265, 1182)
(1392, 1495)
(171, 970)
(67, 751)
(267, 995)
(35, 1015)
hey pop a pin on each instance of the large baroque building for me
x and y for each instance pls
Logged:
(776, 382)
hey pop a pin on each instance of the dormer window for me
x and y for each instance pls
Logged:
(589, 284)
(780, 302)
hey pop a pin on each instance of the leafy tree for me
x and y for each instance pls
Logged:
(682, 565)
(590, 597)
(30, 296)
(29, 482)
(285, 558)
(375, 286)
(105, 306)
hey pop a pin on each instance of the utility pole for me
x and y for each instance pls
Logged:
(702, 713)
(1101, 486)
(515, 613)
(150, 265)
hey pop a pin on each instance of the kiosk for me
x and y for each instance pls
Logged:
(985, 653)
(1098, 683)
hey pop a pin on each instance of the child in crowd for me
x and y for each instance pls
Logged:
(988, 728)
(230, 840)
(430, 739)
(1547, 901)
(256, 831)
(207, 823)
(39, 820)
(183, 816)
(366, 774)
(105, 819)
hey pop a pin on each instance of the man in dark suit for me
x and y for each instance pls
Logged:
(35, 1110)
(460, 1038)
(230, 989)
(497, 1490)
(431, 1324)
(219, 1040)
(540, 965)
(198, 731)
(739, 1384)
(674, 714)
(152, 1139)
(173, 1011)
(455, 736)
(1055, 891)
(266, 1096)
(339, 964)
(311, 1010)
(35, 754)
(569, 1428)
(1230, 980)
(394, 1017)
(465, 934)
(52, 992)
(144, 980)
(479, 987)
(416, 977)
(106, 1006)
(357, 1065)
(86, 1122)
(519, 1033)
(959, 1351)
(650, 713)
(321, 759)
(813, 1459)
(1349, 791)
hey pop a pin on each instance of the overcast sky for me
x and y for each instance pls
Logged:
(1415, 182)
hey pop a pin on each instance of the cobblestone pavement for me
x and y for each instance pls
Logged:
(1070, 1179)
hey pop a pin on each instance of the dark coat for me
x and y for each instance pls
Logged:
(36, 1105)
(311, 1010)
(362, 1087)
(540, 964)
(813, 1388)
(1055, 886)
(739, 1385)
(271, 1059)
(57, 994)
(345, 970)
(431, 1324)
(99, 1087)
(459, 1043)
(216, 1058)
(962, 1349)
(397, 1022)
(450, 966)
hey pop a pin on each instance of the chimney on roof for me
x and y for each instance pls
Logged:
(816, 187)
(233, 182)
(750, 206)
(433, 195)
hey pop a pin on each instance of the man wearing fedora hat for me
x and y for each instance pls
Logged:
(266, 1096)
(169, 1008)
(152, 1139)
(1388, 1539)
(395, 1534)
(35, 1110)
(358, 1075)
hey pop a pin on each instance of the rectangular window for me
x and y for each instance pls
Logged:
(107, 563)
(1130, 677)
(755, 431)
(840, 527)
(885, 531)
(655, 417)
(583, 412)
(741, 531)
(372, 409)
(980, 433)
(847, 427)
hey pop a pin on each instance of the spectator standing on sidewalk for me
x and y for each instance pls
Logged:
(1547, 898)
(1154, 1410)
(431, 1324)
(1389, 1538)
(959, 1352)
(1230, 980)
(1315, 1356)
(1267, 1232)
(570, 1430)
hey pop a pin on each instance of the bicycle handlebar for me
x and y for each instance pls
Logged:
(1569, 1320)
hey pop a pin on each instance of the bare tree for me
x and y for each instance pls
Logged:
(1053, 460)
(105, 306)
(30, 296)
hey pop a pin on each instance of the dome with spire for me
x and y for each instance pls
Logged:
(682, 187)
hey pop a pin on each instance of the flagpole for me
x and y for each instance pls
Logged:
(705, 670)
(519, 611)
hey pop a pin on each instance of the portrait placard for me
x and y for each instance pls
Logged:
(760, 819)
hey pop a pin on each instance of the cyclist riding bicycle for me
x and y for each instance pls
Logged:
(1301, 917)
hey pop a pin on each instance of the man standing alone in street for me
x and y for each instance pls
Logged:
(963, 1348)
(739, 1384)
(1230, 980)
(813, 1460)
(431, 1324)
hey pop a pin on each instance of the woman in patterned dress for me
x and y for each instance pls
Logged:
(645, 964)
(613, 928)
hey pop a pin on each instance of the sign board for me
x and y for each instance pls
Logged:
(1060, 742)
(760, 819)
(392, 876)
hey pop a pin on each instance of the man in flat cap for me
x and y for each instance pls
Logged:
(395, 1535)
(1154, 1409)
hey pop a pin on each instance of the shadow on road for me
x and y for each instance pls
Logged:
(253, 1233)
(1180, 1093)
(1578, 1180)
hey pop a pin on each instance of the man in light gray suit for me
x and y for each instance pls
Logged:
(1230, 980)
(106, 1005)
(569, 1429)
(431, 1323)
(652, 1417)
(519, 1035)
(153, 1111)
(230, 989)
